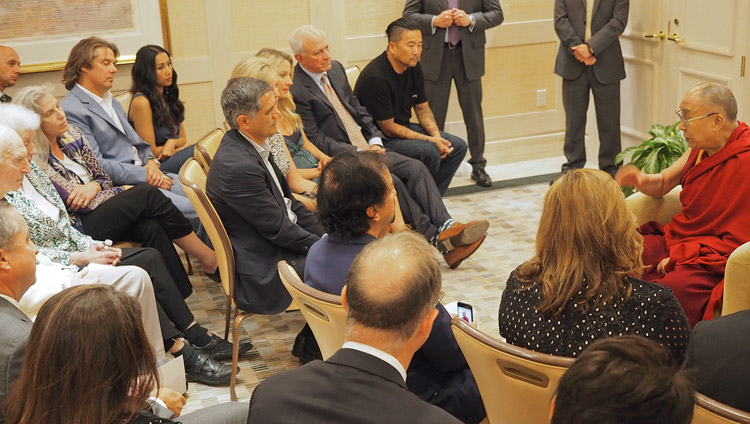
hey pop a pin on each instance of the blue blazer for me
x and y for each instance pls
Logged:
(113, 148)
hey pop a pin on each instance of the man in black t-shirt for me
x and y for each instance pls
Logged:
(390, 86)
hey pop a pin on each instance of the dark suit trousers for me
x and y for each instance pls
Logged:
(576, 102)
(469, 98)
(421, 203)
(143, 215)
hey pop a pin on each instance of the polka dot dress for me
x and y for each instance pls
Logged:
(652, 311)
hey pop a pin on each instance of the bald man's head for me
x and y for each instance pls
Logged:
(716, 96)
(393, 283)
(10, 67)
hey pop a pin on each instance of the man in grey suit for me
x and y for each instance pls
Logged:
(453, 42)
(390, 311)
(590, 60)
(90, 106)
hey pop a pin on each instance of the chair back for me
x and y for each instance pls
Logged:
(124, 100)
(352, 73)
(206, 147)
(193, 180)
(709, 411)
(322, 311)
(516, 384)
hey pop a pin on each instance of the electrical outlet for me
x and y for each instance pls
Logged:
(541, 98)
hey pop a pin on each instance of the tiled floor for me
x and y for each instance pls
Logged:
(513, 214)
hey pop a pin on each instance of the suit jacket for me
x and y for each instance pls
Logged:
(255, 217)
(14, 336)
(350, 387)
(718, 355)
(113, 148)
(322, 125)
(607, 23)
(486, 13)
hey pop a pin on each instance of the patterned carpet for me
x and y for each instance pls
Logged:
(513, 214)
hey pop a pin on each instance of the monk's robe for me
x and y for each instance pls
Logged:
(715, 220)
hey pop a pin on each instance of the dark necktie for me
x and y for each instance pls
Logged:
(454, 33)
(5, 98)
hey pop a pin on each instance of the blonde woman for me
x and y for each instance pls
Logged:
(578, 288)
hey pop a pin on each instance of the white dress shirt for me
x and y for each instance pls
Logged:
(385, 357)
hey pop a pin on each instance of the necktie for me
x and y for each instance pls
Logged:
(454, 33)
(5, 98)
(589, 14)
(352, 129)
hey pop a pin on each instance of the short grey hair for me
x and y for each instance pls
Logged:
(303, 33)
(9, 139)
(242, 96)
(29, 97)
(18, 118)
(718, 95)
(10, 225)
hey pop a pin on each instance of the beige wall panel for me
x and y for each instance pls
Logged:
(527, 10)
(256, 27)
(199, 109)
(187, 26)
(367, 17)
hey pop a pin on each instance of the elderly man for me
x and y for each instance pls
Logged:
(690, 253)
(356, 202)
(390, 86)
(90, 106)
(390, 311)
(10, 69)
(335, 121)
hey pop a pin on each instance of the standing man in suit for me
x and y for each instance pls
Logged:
(390, 311)
(454, 39)
(264, 221)
(10, 69)
(90, 106)
(590, 61)
(336, 122)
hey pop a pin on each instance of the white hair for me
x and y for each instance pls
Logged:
(9, 139)
(303, 33)
(18, 118)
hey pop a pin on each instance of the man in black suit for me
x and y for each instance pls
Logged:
(389, 316)
(718, 355)
(336, 122)
(10, 69)
(264, 221)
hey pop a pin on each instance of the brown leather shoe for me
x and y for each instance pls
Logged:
(455, 257)
(460, 234)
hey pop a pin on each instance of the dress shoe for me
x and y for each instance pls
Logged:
(209, 371)
(214, 276)
(221, 349)
(480, 177)
(460, 234)
(457, 255)
(306, 347)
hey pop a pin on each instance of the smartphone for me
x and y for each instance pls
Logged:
(465, 311)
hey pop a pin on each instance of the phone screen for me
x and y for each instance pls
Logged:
(465, 312)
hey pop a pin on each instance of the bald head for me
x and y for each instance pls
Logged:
(392, 284)
(716, 96)
(10, 67)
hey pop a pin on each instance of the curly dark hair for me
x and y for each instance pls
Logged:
(144, 81)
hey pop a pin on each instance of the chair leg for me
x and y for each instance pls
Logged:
(236, 352)
(189, 264)
(228, 308)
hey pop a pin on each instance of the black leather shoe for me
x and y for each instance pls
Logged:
(306, 347)
(221, 349)
(480, 177)
(209, 371)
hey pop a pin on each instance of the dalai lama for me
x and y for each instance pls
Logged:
(690, 253)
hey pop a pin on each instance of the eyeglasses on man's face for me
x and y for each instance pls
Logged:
(685, 120)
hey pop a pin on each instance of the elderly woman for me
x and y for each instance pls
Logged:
(578, 288)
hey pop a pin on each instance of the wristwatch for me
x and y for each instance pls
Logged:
(155, 160)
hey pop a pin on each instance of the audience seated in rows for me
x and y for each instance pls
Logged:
(578, 287)
(52, 231)
(100, 209)
(335, 122)
(390, 311)
(89, 106)
(10, 69)
(624, 380)
(690, 253)
(156, 111)
(303, 189)
(390, 86)
(356, 204)
(101, 350)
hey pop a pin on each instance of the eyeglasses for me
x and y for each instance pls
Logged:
(685, 121)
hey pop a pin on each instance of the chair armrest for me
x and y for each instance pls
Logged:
(737, 281)
(659, 209)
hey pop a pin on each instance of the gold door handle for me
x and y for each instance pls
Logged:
(676, 38)
(660, 35)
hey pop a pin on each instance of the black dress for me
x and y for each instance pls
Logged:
(652, 311)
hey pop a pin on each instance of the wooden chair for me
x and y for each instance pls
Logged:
(516, 384)
(193, 180)
(352, 73)
(322, 311)
(206, 147)
(124, 99)
(709, 411)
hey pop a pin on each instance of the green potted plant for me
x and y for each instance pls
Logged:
(656, 154)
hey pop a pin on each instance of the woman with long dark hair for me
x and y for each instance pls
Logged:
(156, 111)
